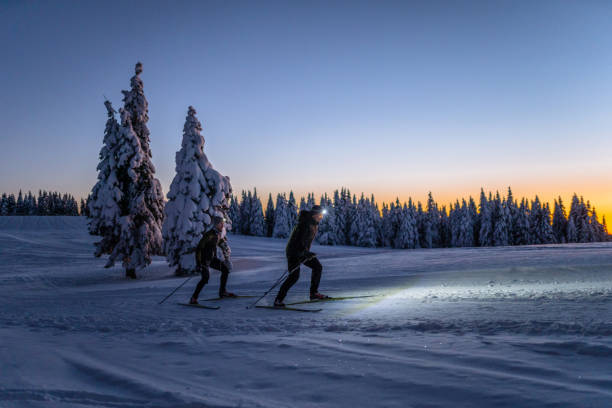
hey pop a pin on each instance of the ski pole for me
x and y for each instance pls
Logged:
(270, 290)
(277, 282)
(172, 293)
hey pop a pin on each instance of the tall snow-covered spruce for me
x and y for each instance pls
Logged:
(103, 207)
(197, 193)
(112, 206)
(146, 199)
(119, 156)
(127, 202)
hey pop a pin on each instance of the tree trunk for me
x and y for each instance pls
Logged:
(130, 273)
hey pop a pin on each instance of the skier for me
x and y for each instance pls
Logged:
(298, 252)
(206, 257)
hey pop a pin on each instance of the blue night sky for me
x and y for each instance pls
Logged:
(390, 98)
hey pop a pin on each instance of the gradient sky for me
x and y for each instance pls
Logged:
(390, 98)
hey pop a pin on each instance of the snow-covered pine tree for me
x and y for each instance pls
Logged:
(269, 216)
(541, 229)
(407, 232)
(12, 204)
(141, 205)
(572, 232)
(377, 220)
(363, 230)
(559, 222)
(357, 223)
(258, 224)
(64, 204)
(402, 238)
(33, 206)
(466, 226)
(386, 231)
(486, 220)
(104, 210)
(137, 106)
(454, 218)
(110, 204)
(282, 227)
(590, 235)
(73, 206)
(395, 220)
(82, 207)
(302, 203)
(523, 236)
(573, 222)
(423, 227)
(584, 232)
(310, 201)
(510, 213)
(547, 232)
(147, 194)
(52, 200)
(86, 207)
(245, 213)
(48, 202)
(597, 228)
(40, 203)
(340, 216)
(475, 220)
(27, 203)
(327, 227)
(444, 231)
(500, 216)
(4, 205)
(412, 222)
(198, 193)
(292, 211)
(351, 215)
(433, 240)
(233, 214)
(19, 206)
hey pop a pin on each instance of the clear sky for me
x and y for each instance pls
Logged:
(391, 98)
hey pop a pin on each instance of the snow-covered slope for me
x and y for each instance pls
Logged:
(502, 327)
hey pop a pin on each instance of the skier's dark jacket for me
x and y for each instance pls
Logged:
(302, 235)
(206, 250)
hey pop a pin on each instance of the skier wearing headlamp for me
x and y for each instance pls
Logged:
(298, 252)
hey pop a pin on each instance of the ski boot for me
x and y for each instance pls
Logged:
(227, 294)
(318, 296)
(278, 303)
(193, 301)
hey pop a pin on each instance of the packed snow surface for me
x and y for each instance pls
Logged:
(464, 327)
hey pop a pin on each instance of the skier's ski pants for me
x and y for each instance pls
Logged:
(215, 264)
(293, 277)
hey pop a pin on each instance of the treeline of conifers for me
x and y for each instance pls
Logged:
(494, 221)
(45, 203)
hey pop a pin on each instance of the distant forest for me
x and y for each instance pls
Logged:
(45, 203)
(493, 221)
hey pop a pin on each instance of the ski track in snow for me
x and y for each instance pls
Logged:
(462, 327)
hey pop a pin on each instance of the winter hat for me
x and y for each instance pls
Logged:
(216, 219)
(316, 209)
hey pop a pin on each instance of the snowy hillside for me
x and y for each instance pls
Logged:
(463, 327)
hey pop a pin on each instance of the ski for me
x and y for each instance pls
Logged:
(293, 309)
(229, 297)
(329, 299)
(200, 306)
